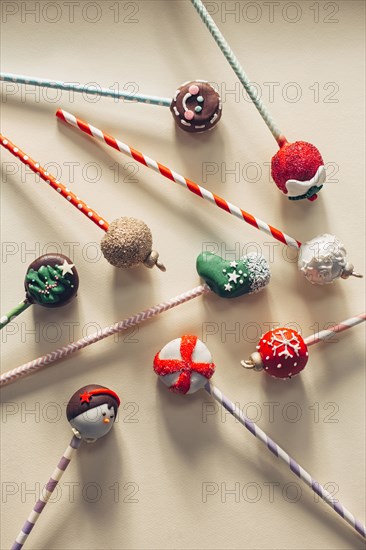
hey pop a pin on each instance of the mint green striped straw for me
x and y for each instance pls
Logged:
(14, 312)
(89, 89)
(238, 70)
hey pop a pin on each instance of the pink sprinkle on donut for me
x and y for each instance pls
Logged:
(188, 115)
(194, 89)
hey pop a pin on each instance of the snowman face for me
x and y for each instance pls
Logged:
(94, 423)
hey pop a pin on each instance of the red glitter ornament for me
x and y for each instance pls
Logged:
(283, 352)
(298, 170)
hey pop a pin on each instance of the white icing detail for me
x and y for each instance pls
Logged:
(283, 346)
(233, 277)
(323, 259)
(201, 353)
(90, 424)
(170, 379)
(171, 350)
(176, 112)
(185, 123)
(184, 101)
(259, 273)
(200, 126)
(296, 188)
(67, 268)
(214, 118)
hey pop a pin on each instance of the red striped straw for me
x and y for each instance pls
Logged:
(54, 183)
(177, 178)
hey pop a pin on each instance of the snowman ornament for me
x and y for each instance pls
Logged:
(92, 411)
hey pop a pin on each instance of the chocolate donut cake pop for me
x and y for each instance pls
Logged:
(51, 281)
(196, 106)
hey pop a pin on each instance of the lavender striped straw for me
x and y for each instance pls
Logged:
(47, 492)
(291, 463)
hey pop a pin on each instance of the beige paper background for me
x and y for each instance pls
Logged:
(148, 477)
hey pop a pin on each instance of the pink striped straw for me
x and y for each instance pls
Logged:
(177, 178)
(43, 361)
(345, 325)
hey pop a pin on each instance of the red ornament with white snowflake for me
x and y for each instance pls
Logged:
(283, 352)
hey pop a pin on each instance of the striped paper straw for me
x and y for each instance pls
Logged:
(34, 366)
(286, 458)
(177, 178)
(54, 183)
(37, 364)
(344, 325)
(238, 70)
(14, 312)
(90, 89)
(47, 492)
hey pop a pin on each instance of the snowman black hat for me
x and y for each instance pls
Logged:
(89, 397)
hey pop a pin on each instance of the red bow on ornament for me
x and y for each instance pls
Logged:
(184, 366)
